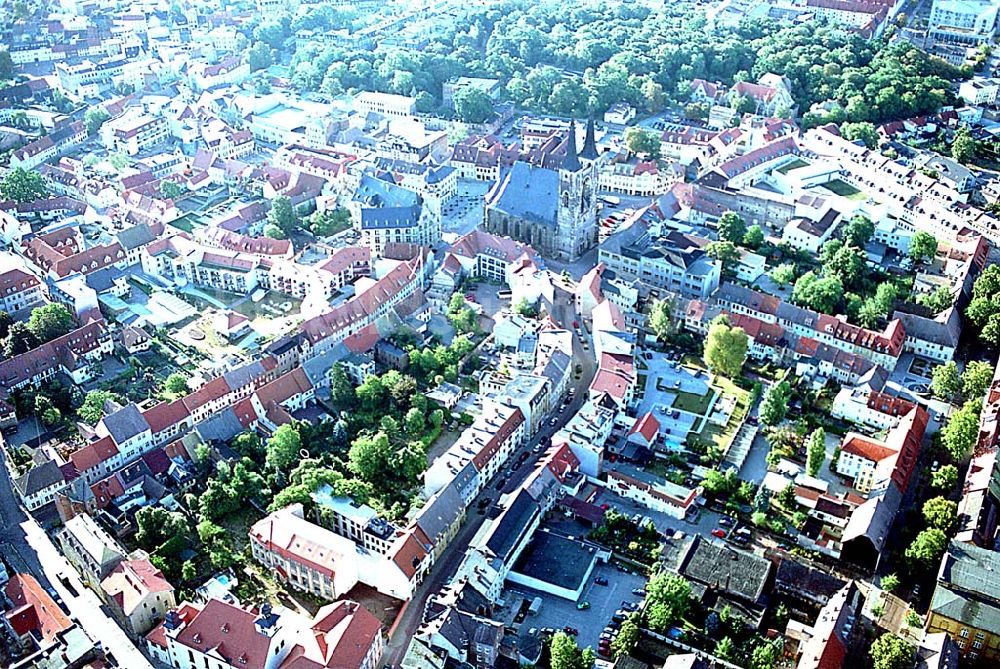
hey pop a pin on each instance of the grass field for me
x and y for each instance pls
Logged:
(696, 404)
(844, 189)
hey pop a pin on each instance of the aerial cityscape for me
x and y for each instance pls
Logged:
(426, 334)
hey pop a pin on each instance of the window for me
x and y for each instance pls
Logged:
(964, 633)
(977, 644)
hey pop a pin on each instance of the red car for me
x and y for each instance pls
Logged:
(571, 630)
(721, 534)
(576, 324)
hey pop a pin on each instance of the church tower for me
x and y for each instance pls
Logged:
(577, 212)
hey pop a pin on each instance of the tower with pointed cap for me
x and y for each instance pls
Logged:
(577, 214)
(549, 202)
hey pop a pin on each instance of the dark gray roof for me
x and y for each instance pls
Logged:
(511, 527)
(731, 570)
(125, 423)
(390, 217)
(944, 333)
(283, 344)
(572, 161)
(872, 519)
(136, 236)
(379, 193)
(441, 512)
(222, 426)
(39, 478)
(103, 279)
(244, 375)
(527, 192)
(464, 478)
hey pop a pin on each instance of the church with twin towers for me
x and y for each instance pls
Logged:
(548, 198)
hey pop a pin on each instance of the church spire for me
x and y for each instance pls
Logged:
(572, 161)
(589, 143)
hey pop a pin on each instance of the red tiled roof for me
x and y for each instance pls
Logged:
(165, 415)
(34, 610)
(93, 454)
(647, 426)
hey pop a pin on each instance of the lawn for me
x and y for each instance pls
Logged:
(844, 189)
(793, 165)
(696, 404)
(722, 436)
(183, 223)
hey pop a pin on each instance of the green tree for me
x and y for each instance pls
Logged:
(176, 384)
(945, 381)
(923, 246)
(45, 410)
(959, 434)
(628, 637)
(564, 653)
(171, 189)
(753, 237)
(941, 514)
(945, 478)
(774, 405)
(272, 231)
(864, 131)
(815, 451)
(283, 448)
(50, 321)
(329, 222)
(94, 118)
(414, 422)
(819, 294)
(92, 409)
(156, 525)
(925, 552)
(725, 649)
(473, 105)
(858, 231)
(890, 582)
(6, 64)
(891, 652)
(726, 253)
(963, 146)
(341, 387)
(766, 653)
(668, 598)
(189, 571)
(783, 274)
(659, 320)
(732, 228)
(209, 532)
(22, 186)
(283, 215)
(642, 142)
(19, 340)
(259, 57)
(725, 347)
(976, 379)
(937, 300)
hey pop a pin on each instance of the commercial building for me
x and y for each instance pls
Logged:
(966, 602)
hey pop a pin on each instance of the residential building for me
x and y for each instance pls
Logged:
(966, 602)
(87, 545)
(20, 290)
(132, 134)
(138, 595)
(218, 634)
(837, 628)
(872, 463)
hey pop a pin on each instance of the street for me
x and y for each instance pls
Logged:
(442, 571)
(27, 548)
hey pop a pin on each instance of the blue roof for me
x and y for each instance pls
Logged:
(528, 192)
(375, 192)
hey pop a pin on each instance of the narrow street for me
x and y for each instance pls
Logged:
(26, 546)
(442, 571)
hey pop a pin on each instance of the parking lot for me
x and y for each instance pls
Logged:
(558, 613)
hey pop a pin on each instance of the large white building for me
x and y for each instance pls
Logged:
(963, 21)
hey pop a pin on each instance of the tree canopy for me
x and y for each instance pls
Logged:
(21, 185)
(725, 347)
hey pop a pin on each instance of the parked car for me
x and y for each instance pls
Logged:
(582, 606)
(600, 580)
(571, 630)
(639, 592)
(720, 533)
(726, 521)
